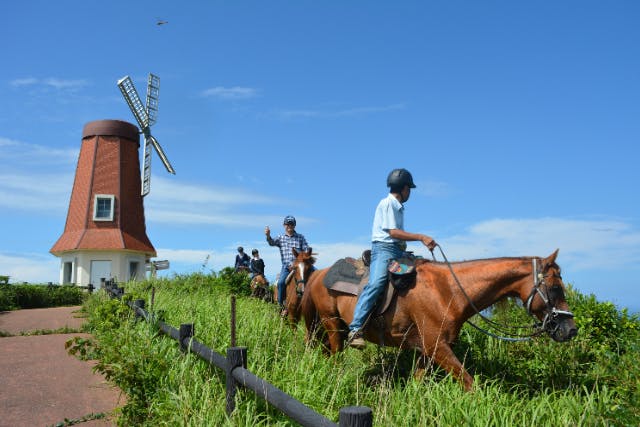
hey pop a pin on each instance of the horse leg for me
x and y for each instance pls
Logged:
(444, 357)
(335, 333)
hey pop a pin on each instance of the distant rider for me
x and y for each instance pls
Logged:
(242, 260)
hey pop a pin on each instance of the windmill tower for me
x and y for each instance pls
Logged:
(105, 232)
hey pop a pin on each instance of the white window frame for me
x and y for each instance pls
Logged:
(112, 198)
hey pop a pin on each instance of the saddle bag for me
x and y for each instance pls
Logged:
(402, 272)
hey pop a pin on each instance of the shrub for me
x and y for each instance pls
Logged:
(39, 296)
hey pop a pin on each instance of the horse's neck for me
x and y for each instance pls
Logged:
(487, 281)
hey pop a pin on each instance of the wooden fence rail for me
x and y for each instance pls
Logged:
(235, 367)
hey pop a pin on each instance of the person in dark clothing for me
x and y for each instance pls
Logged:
(256, 265)
(242, 260)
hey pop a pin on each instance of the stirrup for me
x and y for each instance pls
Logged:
(355, 340)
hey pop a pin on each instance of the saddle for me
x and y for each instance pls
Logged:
(349, 275)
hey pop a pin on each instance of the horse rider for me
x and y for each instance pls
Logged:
(285, 242)
(388, 239)
(242, 260)
(256, 265)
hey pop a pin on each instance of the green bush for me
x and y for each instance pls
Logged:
(14, 297)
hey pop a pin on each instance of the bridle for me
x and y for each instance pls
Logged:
(549, 322)
(552, 315)
(300, 283)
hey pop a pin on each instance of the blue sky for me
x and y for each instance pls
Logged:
(520, 122)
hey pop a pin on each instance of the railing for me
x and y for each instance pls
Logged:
(237, 374)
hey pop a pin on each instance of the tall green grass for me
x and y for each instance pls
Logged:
(590, 381)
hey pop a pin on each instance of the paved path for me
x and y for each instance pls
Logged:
(40, 383)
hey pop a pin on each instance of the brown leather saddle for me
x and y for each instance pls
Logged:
(350, 275)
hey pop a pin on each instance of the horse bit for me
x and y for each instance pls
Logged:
(551, 313)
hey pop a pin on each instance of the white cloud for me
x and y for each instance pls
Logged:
(358, 111)
(172, 202)
(34, 154)
(172, 191)
(53, 82)
(583, 244)
(29, 192)
(26, 81)
(31, 268)
(236, 92)
(228, 218)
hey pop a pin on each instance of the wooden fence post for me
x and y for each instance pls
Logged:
(236, 356)
(185, 333)
(138, 304)
(355, 416)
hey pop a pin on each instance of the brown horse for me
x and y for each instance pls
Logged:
(301, 270)
(260, 287)
(428, 316)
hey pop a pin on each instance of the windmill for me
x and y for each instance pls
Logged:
(146, 117)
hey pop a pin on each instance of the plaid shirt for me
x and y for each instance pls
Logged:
(286, 243)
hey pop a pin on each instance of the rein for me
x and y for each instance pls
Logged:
(503, 329)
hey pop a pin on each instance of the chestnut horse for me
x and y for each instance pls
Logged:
(260, 287)
(301, 270)
(429, 315)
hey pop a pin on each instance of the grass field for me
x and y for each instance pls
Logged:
(590, 381)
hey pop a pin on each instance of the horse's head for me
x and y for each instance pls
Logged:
(546, 300)
(302, 267)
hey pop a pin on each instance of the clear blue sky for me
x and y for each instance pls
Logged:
(520, 122)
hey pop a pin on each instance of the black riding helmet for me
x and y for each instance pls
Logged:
(289, 220)
(398, 178)
(254, 252)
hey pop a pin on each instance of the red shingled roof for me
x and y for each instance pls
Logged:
(108, 164)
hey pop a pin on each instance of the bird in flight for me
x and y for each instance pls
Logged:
(161, 22)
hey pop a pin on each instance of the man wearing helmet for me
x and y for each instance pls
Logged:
(287, 241)
(387, 242)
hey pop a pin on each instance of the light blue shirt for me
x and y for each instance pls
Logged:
(389, 215)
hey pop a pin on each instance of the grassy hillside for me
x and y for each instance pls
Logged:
(591, 381)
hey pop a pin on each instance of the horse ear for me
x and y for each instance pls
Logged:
(295, 253)
(551, 259)
(309, 251)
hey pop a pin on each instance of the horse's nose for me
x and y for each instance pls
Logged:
(573, 332)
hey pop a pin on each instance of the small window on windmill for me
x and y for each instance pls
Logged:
(103, 207)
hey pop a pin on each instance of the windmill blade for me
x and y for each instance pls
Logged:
(146, 171)
(135, 104)
(153, 93)
(163, 156)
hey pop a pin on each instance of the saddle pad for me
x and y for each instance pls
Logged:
(346, 270)
(349, 276)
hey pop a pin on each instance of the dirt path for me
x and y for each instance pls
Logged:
(42, 385)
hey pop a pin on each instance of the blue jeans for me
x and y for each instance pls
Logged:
(381, 253)
(282, 290)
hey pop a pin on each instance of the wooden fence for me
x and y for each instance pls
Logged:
(237, 375)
